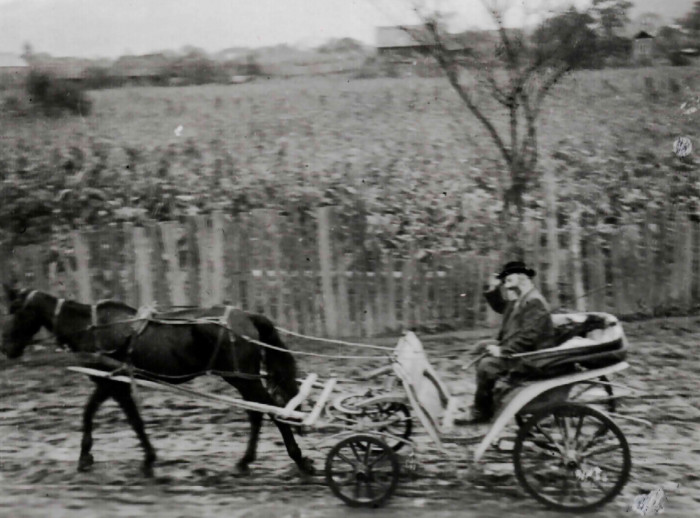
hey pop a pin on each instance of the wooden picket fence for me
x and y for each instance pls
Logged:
(304, 277)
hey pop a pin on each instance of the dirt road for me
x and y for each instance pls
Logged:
(198, 444)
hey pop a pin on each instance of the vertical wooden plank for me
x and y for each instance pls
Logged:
(553, 266)
(82, 272)
(128, 273)
(193, 260)
(325, 255)
(204, 243)
(161, 291)
(170, 233)
(264, 220)
(142, 250)
(647, 266)
(345, 325)
(492, 318)
(218, 271)
(462, 277)
(617, 270)
(479, 278)
(39, 261)
(287, 260)
(301, 287)
(280, 293)
(580, 302)
(407, 281)
(232, 249)
(595, 272)
(390, 301)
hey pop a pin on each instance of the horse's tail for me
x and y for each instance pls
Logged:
(279, 362)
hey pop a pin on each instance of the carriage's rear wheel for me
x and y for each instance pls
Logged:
(571, 457)
(362, 470)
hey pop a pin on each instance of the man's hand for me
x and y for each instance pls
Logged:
(494, 282)
(493, 350)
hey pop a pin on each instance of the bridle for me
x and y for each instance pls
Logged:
(56, 312)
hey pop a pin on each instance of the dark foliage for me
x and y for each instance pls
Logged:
(569, 37)
(55, 96)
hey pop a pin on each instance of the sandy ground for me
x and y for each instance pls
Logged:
(198, 444)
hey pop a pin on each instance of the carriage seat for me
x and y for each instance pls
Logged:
(582, 340)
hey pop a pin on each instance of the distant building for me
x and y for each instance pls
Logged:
(411, 46)
(13, 70)
(149, 69)
(643, 48)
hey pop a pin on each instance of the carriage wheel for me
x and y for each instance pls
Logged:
(398, 413)
(571, 457)
(362, 470)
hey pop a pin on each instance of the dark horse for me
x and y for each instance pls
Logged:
(171, 352)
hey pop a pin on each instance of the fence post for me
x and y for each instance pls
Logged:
(169, 232)
(82, 272)
(575, 247)
(218, 237)
(552, 238)
(325, 255)
(142, 265)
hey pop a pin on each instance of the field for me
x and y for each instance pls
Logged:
(405, 150)
(198, 444)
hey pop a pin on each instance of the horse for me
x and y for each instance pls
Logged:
(171, 351)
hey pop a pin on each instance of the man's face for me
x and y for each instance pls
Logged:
(512, 286)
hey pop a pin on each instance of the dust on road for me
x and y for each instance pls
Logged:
(198, 445)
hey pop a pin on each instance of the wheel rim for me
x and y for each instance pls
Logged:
(362, 470)
(572, 457)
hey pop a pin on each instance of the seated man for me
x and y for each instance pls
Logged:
(526, 326)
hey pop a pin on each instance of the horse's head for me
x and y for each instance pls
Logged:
(21, 323)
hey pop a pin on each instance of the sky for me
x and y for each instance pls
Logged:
(110, 28)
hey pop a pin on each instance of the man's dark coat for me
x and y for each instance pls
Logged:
(527, 324)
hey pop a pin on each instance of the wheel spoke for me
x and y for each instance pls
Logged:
(578, 430)
(549, 438)
(604, 449)
(351, 462)
(353, 447)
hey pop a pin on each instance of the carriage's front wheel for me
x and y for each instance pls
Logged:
(395, 416)
(362, 470)
(571, 457)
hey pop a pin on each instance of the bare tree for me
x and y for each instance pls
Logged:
(519, 76)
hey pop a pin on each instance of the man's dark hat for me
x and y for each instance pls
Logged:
(516, 267)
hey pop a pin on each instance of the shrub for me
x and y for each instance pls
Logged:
(55, 96)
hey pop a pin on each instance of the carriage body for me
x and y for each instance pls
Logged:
(552, 417)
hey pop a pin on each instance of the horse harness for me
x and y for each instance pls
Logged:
(139, 323)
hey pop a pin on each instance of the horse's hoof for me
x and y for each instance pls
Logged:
(241, 470)
(147, 470)
(85, 462)
(306, 466)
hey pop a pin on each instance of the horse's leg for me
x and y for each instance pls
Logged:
(253, 390)
(255, 418)
(98, 397)
(126, 401)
